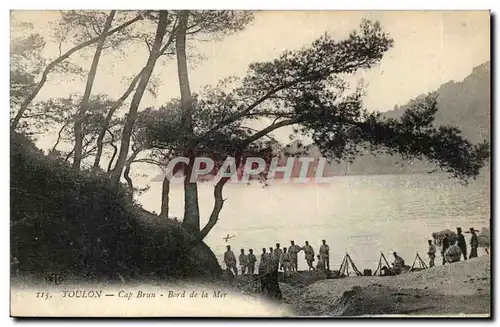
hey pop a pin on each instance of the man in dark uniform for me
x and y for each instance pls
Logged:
(461, 242)
(474, 243)
(264, 263)
(293, 250)
(445, 244)
(230, 260)
(251, 262)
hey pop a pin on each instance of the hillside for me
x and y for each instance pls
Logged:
(464, 104)
(72, 224)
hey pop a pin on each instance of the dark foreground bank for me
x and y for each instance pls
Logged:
(75, 225)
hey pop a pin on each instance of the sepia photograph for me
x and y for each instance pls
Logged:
(250, 163)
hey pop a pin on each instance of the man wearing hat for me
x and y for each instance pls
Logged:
(474, 243)
(309, 251)
(230, 260)
(277, 256)
(293, 250)
(461, 242)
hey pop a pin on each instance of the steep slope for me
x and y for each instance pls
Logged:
(69, 223)
(464, 104)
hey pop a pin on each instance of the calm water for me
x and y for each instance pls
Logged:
(361, 215)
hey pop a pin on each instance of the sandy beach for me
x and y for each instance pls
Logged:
(458, 289)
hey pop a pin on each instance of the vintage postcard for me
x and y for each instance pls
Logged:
(197, 163)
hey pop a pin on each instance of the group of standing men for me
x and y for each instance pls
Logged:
(453, 252)
(277, 259)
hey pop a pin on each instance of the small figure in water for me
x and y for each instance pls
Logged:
(445, 244)
(474, 243)
(431, 253)
(398, 263)
(462, 244)
(309, 252)
(251, 262)
(243, 261)
(324, 252)
(230, 260)
(293, 250)
(453, 254)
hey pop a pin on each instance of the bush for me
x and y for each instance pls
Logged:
(67, 222)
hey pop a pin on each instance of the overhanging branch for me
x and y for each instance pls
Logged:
(218, 204)
(268, 130)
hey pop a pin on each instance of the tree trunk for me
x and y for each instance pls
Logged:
(165, 190)
(117, 104)
(115, 151)
(218, 203)
(136, 100)
(129, 181)
(107, 121)
(182, 71)
(51, 66)
(214, 216)
(88, 89)
(59, 135)
(127, 172)
(191, 220)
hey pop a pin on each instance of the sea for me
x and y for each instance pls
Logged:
(362, 215)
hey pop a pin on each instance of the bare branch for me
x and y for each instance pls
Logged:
(69, 154)
(170, 38)
(59, 136)
(109, 116)
(275, 120)
(218, 204)
(256, 130)
(50, 67)
(96, 29)
(269, 129)
(249, 108)
(147, 43)
(149, 161)
(115, 149)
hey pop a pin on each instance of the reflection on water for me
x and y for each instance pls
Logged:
(362, 215)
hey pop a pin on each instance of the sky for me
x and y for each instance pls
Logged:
(431, 48)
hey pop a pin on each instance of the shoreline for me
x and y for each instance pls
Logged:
(461, 289)
(455, 290)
